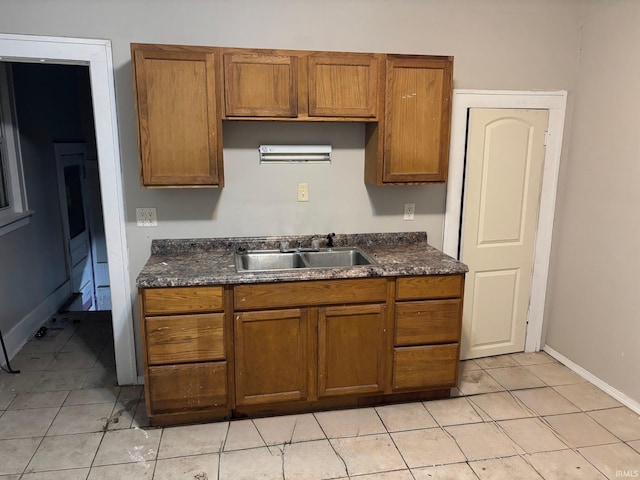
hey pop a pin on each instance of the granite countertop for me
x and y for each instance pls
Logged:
(191, 262)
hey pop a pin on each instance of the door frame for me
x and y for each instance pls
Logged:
(553, 101)
(97, 55)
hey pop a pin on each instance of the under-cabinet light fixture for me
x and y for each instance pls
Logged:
(295, 153)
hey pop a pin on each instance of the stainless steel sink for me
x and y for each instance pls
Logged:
(336, 258)
(269, 260)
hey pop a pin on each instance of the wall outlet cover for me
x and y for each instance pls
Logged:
(409, 211)
(146, 217)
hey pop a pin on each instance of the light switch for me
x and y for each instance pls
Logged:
(303, 192)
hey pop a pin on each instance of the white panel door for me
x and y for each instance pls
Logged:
(71, 159)
(98, 241)
(505, 156)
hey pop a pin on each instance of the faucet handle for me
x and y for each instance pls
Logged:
(330, 240)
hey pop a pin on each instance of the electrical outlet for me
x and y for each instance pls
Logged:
(146, 217)
(409, 211)
(303, 192)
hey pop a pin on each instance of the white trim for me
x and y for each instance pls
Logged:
(602, 385)
(556, 103)
(16, 214)
(22, 331)
(98, 56)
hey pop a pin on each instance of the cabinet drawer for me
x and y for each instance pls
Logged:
(187, 387)
(425, 367)
(185, 338)
(436, 286)
(428, 322)
(292, 294)
(165, 301)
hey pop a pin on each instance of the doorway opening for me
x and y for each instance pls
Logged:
(97, 56)
(54, 113)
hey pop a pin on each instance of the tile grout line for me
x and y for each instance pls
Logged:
(522, 405)
(394, 441)
(222, 446)
(344, 463)
(43, 437)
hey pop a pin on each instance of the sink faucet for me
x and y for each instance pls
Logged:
(315, 244)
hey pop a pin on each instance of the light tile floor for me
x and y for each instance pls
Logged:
(520, 416)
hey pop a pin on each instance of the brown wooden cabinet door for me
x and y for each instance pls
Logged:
(411, 144)
(260, 85)
(417, 119)
(271, 356)
(343, 85)
(351, 349)
(179, 125)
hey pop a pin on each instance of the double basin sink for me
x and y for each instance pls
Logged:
(270, 260)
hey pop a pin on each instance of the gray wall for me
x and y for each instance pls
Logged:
(32, 258)
(592, 316)
(497, 44)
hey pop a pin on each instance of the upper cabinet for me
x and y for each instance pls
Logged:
(344, 85)
(184, 93)
(179, 119)
(301, 85)
(260, 85)
(411, 143)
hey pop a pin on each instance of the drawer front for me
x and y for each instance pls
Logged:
(167, 301)
(185, 338)
(291, 294)
(435, 286)
(180, 388)
(436, 321)
(434, 366)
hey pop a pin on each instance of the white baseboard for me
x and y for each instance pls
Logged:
(20, 334)
(617, 394)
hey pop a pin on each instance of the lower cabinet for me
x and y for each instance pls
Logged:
(222, 351)
(428, 322)
(351, 350)
(307, 354)
(271, 356)
(185, 354)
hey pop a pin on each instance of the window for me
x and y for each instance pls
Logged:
(13, 200)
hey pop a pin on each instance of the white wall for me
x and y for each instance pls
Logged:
(497, 44)
(592, 317)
